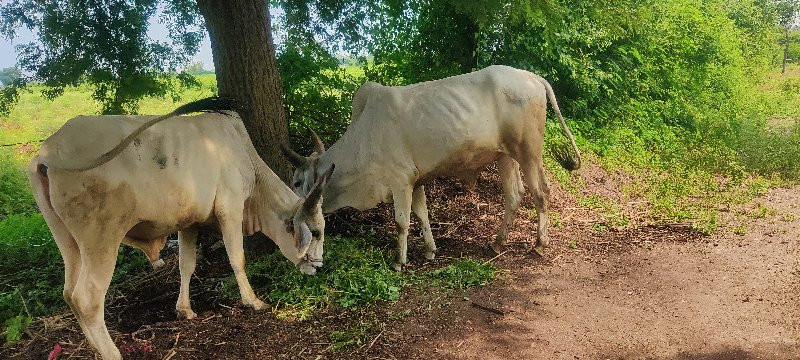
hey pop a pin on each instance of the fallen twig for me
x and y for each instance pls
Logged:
(374, 340)
(171, 353)
(492, 259)
(486, 308)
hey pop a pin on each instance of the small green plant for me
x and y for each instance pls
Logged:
(613, 213)
(706, 222)
(573, 244)
(463, 273)
(356, 336)
(788, 217)
(555, 219)
(740, 229)
(599, 227)
(15, 327)
(593, 201)
(399, 315)
(761, 211)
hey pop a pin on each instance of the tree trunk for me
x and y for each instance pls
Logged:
(785, 51)
(247, 70)
(468, 60)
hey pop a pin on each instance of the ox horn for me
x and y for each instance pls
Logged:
(296, 159)
(315, 194)
(319, 146)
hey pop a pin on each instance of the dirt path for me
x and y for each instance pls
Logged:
(723, 297)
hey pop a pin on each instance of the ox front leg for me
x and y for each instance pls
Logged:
(402, 217)
(420, 207)
(512, 194)
(230, 222)
(187, 260)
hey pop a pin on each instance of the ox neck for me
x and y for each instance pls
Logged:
(271, 201)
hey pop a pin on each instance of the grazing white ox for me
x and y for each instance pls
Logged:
(400, 137)
(183, 173)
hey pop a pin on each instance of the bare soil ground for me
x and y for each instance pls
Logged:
(638, 292)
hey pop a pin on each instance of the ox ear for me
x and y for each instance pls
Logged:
(302, 240)
(315, 194)
(294, 158)
(319, 146)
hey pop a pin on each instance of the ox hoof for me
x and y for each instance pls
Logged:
(308, 268)
(543, 241)
(498, 247)
(430, 255)
(257, 304)
(539, 250)
(187, 314)
(397, 267)
(157, 264)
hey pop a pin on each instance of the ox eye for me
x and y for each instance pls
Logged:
(315, 233)
(298, 183)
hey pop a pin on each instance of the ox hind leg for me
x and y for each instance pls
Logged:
(537, 183)
(229, 213)
(67, 246)
(512, 194)
(420, 207)
(98, 258)
(402, 199)
(187, 255)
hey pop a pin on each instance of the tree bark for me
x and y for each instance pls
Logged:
(247, 70)
(469, 43)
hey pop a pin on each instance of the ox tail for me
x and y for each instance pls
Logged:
(566, 161)
(210, 104)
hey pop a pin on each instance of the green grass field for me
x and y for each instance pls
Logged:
(35, 117)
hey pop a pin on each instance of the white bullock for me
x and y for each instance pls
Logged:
(183, 173)
(401, 137)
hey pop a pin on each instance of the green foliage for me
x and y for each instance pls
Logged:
(612, 213)
(355, 273)
(14, 327)
(463, 273)
(317, 93)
